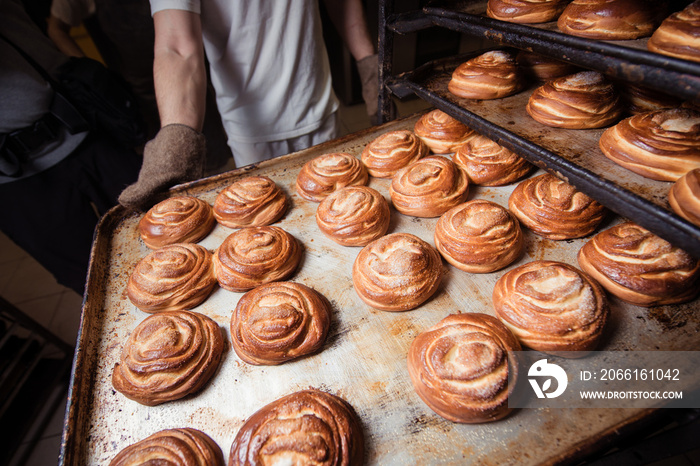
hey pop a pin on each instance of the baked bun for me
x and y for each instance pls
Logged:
(611, 19)
(253, 256)
(684, 196)
(169, 355)
(429, 187)
(479, 236)
(679, 34)
(184, 446)
(641, 99)
(639, 267)
(321, 176)
(552, 307)
(582, 100)
(543, 68)
(662, 145)
(525, 11)
(489, 164)
(354, 216)
(277, 322)
(181, 219)
(179, 276)
(397, 272)
(555, 209)
(441, 132)
(391, 151)
(460, 366)
(491, 75)
(306, 427)
(250, 202)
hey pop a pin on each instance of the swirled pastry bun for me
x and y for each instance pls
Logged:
(397, 272)
(253, 256)
(641, 99)
(179, 276)
(611, 19)
(180, 219)
(555, 209)
(168, 356)
(552, 307)
(250, 201)
(679, 34)
(280, 321)
(491, 75)
(441, 132)
(479, 236)
(582, 100)
(639, 267)
(306, 427)
(429, 187)
(543, 68)
(354, 216)
(684, 196)
(185, 446)
(525, 11)
(321, 176)
(662, 145)
(460, 366)
(490, 164)
(391, 151)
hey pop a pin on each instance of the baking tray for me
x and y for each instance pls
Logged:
(364, 358)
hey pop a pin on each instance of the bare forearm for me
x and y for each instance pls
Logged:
(348, 17)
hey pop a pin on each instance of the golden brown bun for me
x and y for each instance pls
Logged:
(640, 99)
(491, 75)
(306, 427)
(429, 187)
(354, 216)
(459, 367)
(441, 132)
(168, 356)
(489, 164)
(640, 267)
(181, 219)
(611, 19)
(684, 196)
(554, 209)
(321, 176)
(392, 151)
(249, 202)
(679, 34)
(397, 272)
(478, 236)
(543, 68)
(179, 276)
(525, 11)
(582, 100)
(662, 145)
(277, 322)
(552, 307)
(184, 446)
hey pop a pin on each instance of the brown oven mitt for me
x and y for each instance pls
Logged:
(368, 69)
(175, 155)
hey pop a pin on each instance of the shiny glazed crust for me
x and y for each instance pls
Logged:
(684, 196)
(185, 446)
(459, 367)
(552, 307)
(489, 164)
(392, 151)
(429, 187)
(611, 19)
(441, 132)
(250, 201)
(639, 267)
(679, 34)
(168, 356)
(354, 216)
(554, 209)
(479, 236)
(641, 99)
(397, 272)
(277, 322)
(525, 11)
(321, 176)
(181, 219)
(252, 256)
(543, 68)
(179, 276)
(491, 75)
(306, 427)
(662, 145)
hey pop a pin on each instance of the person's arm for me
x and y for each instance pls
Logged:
(59, 32)
(348, 17)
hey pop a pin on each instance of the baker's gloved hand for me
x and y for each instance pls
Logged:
(368, 69)
(175, 155)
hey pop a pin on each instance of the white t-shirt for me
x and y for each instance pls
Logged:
(269, 65)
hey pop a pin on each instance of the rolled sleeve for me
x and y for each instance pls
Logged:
(187, 5)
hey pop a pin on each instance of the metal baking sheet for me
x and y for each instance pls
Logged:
(364, 358)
